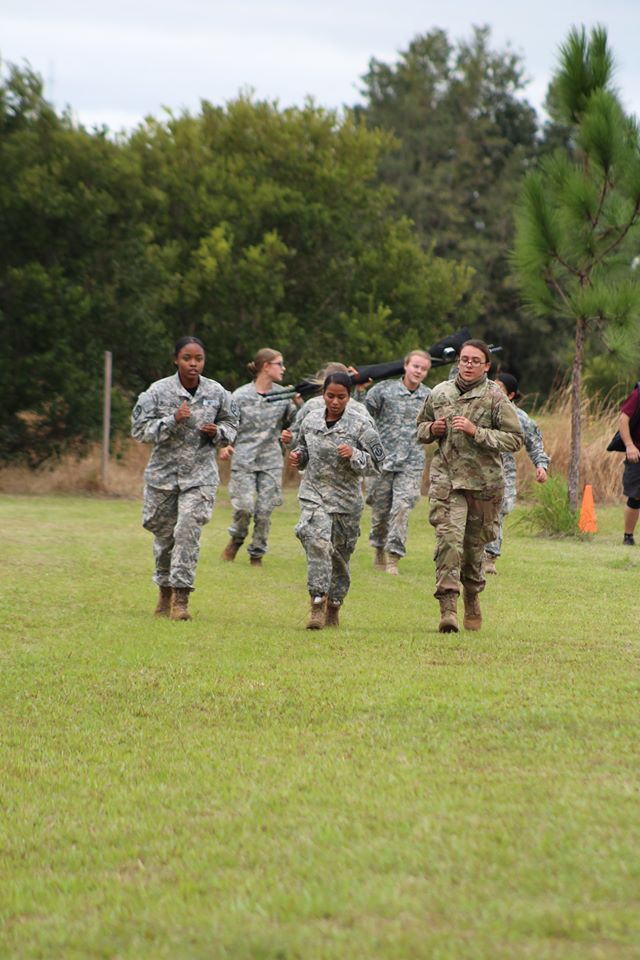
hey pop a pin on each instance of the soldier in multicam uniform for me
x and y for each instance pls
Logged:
(473, 423)
(335, 448)
(186, 417)
(394, 406)
(255, 487)
(534, 445)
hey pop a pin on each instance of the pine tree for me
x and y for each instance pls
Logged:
(578, 214)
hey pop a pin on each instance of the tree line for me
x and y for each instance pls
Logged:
(351, 235)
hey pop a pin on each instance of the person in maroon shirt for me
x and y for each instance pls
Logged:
(631, 476)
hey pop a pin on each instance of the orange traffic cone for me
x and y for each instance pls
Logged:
(587, 522)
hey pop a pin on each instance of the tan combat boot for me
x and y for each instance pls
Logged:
(489, 564)
(448, 613)
(231, 549)
(379, 559)
(472, 612)
(163, 607)
(317, 616)
(180, 603)
(333, 614)
(392, 563)
(255, 561)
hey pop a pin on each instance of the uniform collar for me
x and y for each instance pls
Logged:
(182, 390)
(476, 390)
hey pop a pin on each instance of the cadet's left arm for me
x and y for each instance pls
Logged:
(227, 421)
(369, 452)
(288, 417)
(507, 435)
(534, 444)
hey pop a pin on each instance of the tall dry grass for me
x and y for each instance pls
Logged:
(601, 469)
(82, 475)
(599, 422)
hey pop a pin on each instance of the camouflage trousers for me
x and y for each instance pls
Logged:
(254, 494)
(508, 503)
(464, 524)
(329, 540)
(392, 497)
(176, 519)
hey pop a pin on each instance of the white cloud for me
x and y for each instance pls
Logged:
(128, 59)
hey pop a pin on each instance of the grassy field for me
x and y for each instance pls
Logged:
(237, 787)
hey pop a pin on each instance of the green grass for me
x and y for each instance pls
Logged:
(237, 787)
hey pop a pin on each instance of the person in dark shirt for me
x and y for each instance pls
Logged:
(631, 476)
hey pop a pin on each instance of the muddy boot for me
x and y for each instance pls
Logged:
(180, 603)
(379, 559)
(448, 613)
(255, 561)
(231, 549)
(163, 607)
(472, 612)
(489, 564)
(333, 613)
(392, 563)
(317, 616)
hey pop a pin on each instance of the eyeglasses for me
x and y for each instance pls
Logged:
(472, 362)
(276, 363)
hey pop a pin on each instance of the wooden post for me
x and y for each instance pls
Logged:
(106, 416)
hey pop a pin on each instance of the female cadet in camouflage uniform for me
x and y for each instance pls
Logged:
(473, 423)
(534, 445)
(394, 404)
(255, 487)
(335, 448)
(317, 403)
(185, 417)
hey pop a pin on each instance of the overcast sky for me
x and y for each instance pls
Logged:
(115, 62)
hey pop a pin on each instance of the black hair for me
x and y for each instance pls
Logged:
(184, 341)
(342, 379)
(510, 383)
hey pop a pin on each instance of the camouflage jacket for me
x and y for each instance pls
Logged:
(533, 444)
(317, 403)
(462, 462)
(257, 446)
(328, 479)
(183, 457)
(394, 409)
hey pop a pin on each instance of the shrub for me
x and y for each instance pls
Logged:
(551, 515)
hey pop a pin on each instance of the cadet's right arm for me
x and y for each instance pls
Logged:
(147, 426)
(430, 427)
(297, 423)
(299, 456)
(633, 454)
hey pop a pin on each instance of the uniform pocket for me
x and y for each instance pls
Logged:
(303, 526)
(484, 515)
(203, 505)
(439, 488)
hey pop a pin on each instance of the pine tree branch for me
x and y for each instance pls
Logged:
(554, 283)
(564, 263)
(615, 243)
(603, 196)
